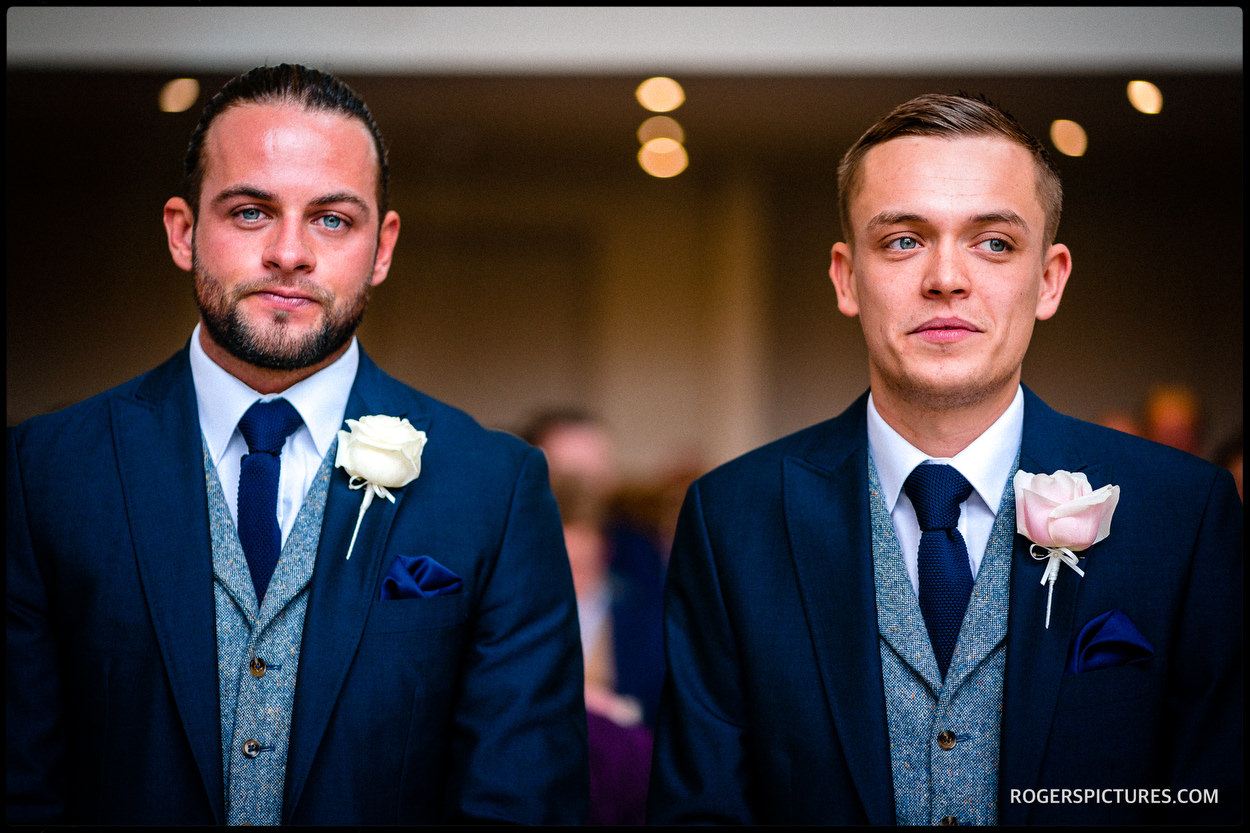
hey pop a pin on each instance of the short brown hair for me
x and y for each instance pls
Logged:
(284, 84)
(951, 116)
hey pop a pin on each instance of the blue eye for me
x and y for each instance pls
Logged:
(250, 214)
(332, 222)
(904, 243)
(997, 245)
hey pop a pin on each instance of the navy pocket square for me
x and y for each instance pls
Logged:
(1109, 640)
(418, 577)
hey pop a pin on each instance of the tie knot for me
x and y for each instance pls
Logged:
(936, 490)
(266, 425)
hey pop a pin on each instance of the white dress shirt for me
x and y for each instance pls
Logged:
(985, 463)
(321, 400)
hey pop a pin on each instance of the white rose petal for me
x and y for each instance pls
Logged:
(379, 453)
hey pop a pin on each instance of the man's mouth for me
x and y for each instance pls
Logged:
(284, 298)
(945, 330)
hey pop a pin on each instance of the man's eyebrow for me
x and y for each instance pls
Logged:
(1006, 216)
(254, 193)
(891, 218)
(894, 218)
(248, 191)
(342, 196)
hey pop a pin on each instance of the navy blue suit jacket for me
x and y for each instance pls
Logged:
(462, 706)
(773, 709)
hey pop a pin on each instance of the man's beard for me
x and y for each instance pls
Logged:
(270, 345)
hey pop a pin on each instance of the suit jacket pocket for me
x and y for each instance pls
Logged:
(1108, 685)
(401, 615)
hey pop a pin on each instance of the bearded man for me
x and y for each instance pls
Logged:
(222, 607)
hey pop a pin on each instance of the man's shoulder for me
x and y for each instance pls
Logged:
(94, 412)
(823, 446)
(449, 427)
(1130, 456)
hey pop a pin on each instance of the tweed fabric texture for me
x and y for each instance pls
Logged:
(936, 492)
(930, 782)
(258, 649)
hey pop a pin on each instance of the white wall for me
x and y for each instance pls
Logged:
(590, 40)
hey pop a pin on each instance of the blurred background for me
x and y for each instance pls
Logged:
(540, 265)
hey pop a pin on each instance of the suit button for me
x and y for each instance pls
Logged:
(949, 821)
(257, 667)
(251, 748)
(946, 740)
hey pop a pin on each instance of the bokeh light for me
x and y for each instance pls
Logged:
(663, 158)
(1068, 137)
(661, 127)
(179, 95)
(660, 94)
(1145, 96)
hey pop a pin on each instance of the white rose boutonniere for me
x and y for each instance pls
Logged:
(1062, 515)
(379, 453)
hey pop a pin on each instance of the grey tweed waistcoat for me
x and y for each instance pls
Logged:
(258, 650)
(944, 735)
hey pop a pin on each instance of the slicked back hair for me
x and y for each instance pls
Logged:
(951, 116)
(283, 84)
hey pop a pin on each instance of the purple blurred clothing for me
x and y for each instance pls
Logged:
(620, 765)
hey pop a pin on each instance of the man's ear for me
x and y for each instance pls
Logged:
(1055, 272)
(842, 273)
(180, 229)
(388, 234)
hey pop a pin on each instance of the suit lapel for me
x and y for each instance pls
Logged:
(1036, 655)
(162, 475)
(342, 589)
(826, 505)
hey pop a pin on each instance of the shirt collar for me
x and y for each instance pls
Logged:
(321, 399)
(986, 461)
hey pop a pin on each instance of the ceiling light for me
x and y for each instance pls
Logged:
(661, 127)
(663, 158)
(178, 95)
(1145, 96)
(1069, 137)
(659, 95)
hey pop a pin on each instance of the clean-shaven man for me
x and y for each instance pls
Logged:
(856, 626)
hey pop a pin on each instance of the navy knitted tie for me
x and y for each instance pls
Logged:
(265, 426)
(936, 491)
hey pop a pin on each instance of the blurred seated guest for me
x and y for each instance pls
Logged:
(618, 572)
(1172, 415)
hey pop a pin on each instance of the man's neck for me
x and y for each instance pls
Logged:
(262, 379)
(939, 431)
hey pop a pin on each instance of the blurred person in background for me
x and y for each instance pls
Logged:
(618, 580)
(618, 571)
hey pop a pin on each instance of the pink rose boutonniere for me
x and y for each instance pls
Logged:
(1062, 515)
